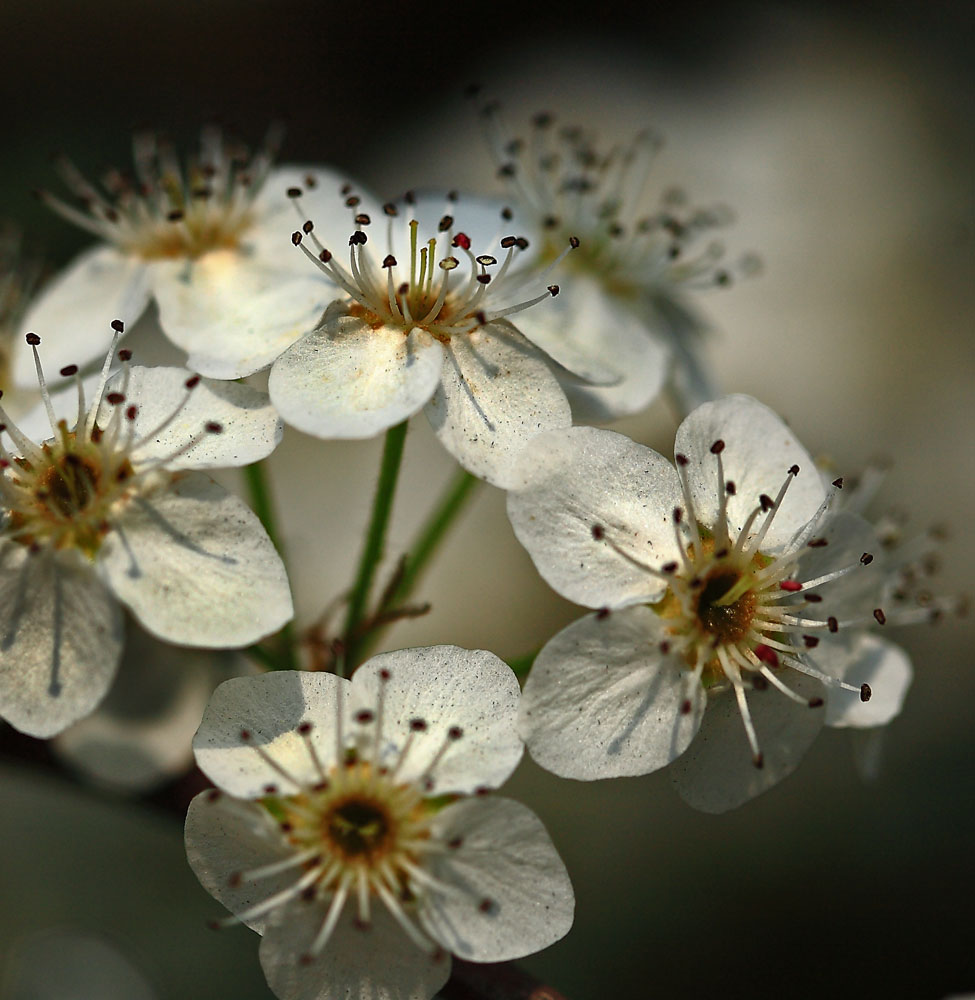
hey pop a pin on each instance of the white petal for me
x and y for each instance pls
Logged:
(270, 707)
(73, 313)
(251, 426)
(380, 963)
(348, 380)
(864, 659)
(568, 482)
(446, 687)
(759, 451)
(602, 701)
(515, 895)
(196, 567)
(497, 392)
(716, 772)
(227, 837)
(60, 641)
(234, 315)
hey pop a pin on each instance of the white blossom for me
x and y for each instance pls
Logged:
(352, 831)
(734, 605)
(425, 324)
(112, 508)
(634, 269)
(207, 241)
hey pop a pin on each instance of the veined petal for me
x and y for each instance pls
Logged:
(224, 837)
(496, 393)
(251, 428)
(60, 642)
(73, 313)
(196, 567)
(759, 451)
(448, 688)
(234, 315)
(864, 659)
(516, 897)
(270, 707)
(349, 380)
(376, 963)
(716, 773)
(603, 701)
(571, 485)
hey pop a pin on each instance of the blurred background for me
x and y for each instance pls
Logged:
(841, 136)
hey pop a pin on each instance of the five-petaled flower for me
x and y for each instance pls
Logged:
(425, 324)
(207, 242)
(733, 605)
(113, 508)
(352, 830)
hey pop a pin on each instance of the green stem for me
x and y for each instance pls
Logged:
(285, 657)
(431, 534)
(372, 551)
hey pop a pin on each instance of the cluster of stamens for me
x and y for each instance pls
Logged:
(735, 614)
(446, 288)
(570, 185)
(65, 492)
(166, 210)
(355, 830)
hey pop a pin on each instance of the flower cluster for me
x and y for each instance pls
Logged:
(738, 596)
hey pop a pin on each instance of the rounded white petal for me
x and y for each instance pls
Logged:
(759, 451)
(603, 701)
(60, 640)
(73, 313)
(196, 567)
(716, 772)
(568, 482)
(447, 687)
(864, 659)
(514, 897)
(270, 707)
(496, 393)
(226, 837)
(348, 380)
(378, 963)
(234, 315)
(251, 428)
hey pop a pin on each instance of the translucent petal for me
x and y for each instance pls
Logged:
(603, 701)
(60, 642)
(515, 896)
(196, 567)
(496, 393)
(864, 659)
(568, 482)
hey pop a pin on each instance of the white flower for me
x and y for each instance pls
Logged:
(633, 269)
(354, 835)
(111, 508)
(208, 243)
(734, 605)
(425, 324)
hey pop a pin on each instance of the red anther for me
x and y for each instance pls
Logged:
(212, 427)
(325, 256)
(131, 411)
(685, 707)
(681, 460)
(418, 725)
(717, 447)
(192, 382)
(364, 716)
(790, 585)
(384, 674)
(598, 532)
(602, 614)
(455, 733)
(115, 398)
(304, 728)
(880, 616)
(767, 655)
(125, 354)
(461, 240)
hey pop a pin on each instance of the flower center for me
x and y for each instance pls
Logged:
(727, 622)
(359, 828)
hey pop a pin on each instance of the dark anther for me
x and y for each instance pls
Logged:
(793, 470)
(817, 543)
(212, 427)
(125, 354)
(522, 243)
(32, 339)
(838, 483)
(304, 728)
(759, 761)
(832, 624)
(665, 647)
(481, 317)
(670, 567)
(685, 707)
(880, 616)
(717, 447)
(410, 197)
(352, 201)
(308, 227)
(418, 725)
(445, 223)
(816, 703)
(681, 460)
(192, 382)
(455, 842)
(454, 733)
(296, 238)
(866, 559)
(810, 641)
(553, 289)
(507, 214)
(678, 515)
(174, 216)
(364, 716)
(362, 219)
(389, 260)
(508, 241)
(358, 238)
(766, 502)
(270, 789)
(506, 170)
(602, 614)
(486, 905)
(115, 398)
(118, 326)
(484, 279)
(574, 242)
(814, 598)
(865, 692)
(390, 209)
(68, 370)
(325, 256)
(214, 795)
(294, 192)
(723, 278)
(598, 532)
(131, 412)
(730, 488)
